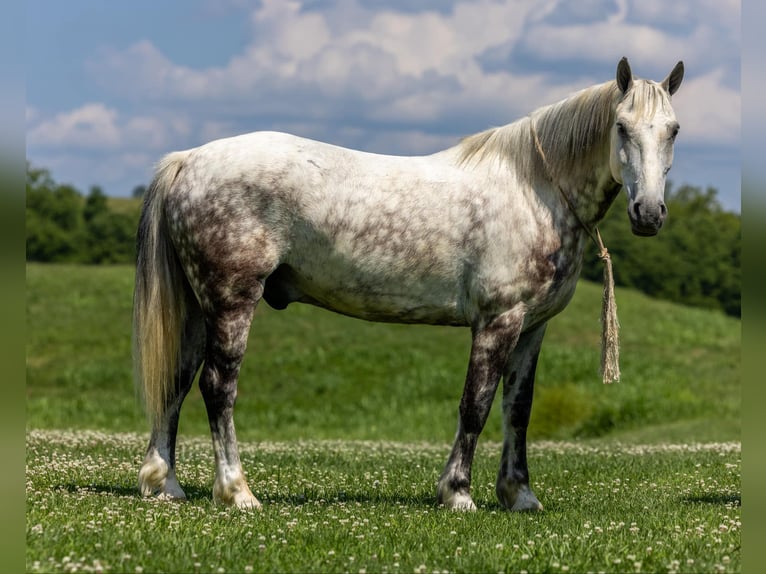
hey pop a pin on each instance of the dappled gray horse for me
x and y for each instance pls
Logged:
(487, 234)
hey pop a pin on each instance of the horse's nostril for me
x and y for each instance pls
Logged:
(637, 209)
(663, 210)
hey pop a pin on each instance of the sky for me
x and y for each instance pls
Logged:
(112, 86)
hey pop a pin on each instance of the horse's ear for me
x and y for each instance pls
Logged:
(624, 75)
(673, 81)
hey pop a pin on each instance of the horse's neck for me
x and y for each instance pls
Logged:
(571, 139)
(588, 193)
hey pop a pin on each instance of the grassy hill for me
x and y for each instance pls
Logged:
(313, 374)
(129, 205)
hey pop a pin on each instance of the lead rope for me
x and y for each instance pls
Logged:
(610, 327)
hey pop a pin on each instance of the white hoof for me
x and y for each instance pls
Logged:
(171, 497)
(235, 493)
(248, 503)
(461, 503)
(156, 479)
(455, 500)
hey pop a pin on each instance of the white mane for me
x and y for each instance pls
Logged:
(568, 131)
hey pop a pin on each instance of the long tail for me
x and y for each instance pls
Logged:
(159, 297)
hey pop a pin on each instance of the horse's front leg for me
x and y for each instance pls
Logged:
(490, 347)
(512, 485)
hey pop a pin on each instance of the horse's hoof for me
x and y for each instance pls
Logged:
(172, 496)
(463, 505)
(249, 504)
(517, 497)
(156, 478)
(235, 493)
(459, 501)
(527, 505)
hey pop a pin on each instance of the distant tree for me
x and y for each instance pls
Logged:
(64, 208)
(139, 191)
(46, 241)
(110, 238)
(53, 218)
(64, 226)
(38, 178)
(95, 204)
(695, 259)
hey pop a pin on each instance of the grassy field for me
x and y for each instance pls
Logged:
(352, 506)
(129, 205)
(313, 374)
(345, 426)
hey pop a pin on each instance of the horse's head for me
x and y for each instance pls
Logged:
(642, 138)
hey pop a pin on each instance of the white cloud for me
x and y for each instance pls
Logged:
(144, 72)
(388, 52)
(404, 81)
(720, 13)
(602, 42)
(296, 36)
(652, 33)
(709, 112)
(97, 126)
(89, 126)
(407, 66)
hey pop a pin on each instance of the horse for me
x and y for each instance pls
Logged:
(488, 234)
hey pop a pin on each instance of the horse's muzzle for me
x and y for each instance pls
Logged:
(646, 220)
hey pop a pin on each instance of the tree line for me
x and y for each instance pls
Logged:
(695, 259)
(65, 226)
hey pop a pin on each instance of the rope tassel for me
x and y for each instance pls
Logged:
(610, 327)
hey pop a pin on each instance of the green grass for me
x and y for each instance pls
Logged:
(345, 426)
(129, 205)
(346, 506)
(313, 374)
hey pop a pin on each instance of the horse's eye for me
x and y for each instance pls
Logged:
(621, 129)
(674, 132)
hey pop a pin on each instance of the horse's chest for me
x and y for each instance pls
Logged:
(553, 274)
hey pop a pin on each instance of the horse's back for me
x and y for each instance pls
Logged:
(386, 238)
(381, 237)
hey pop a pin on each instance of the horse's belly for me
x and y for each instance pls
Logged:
(427, 301)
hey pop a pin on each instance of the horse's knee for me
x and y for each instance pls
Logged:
(218, 382)
(226, 344)
(219, 389)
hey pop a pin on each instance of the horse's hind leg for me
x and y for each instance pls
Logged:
(227, 333)
(158, 472)
(518, 382)
(489, 352)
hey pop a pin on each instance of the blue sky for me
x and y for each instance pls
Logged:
(112, 86)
